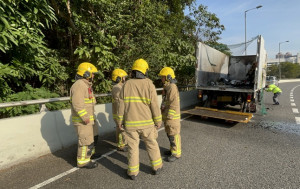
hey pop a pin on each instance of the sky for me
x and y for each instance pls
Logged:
(277, 21)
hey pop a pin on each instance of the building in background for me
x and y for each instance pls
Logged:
(287, 57)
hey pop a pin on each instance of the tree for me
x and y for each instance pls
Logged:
(24, 55)
(288, 70)
(219, 46)
(273, 71)
(43, 41)
(205, 25)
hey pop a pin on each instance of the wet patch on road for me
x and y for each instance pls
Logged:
(278, 126)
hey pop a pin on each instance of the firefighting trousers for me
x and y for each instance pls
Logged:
(149, 136)
(86, 147)
(120, 138)
(173, 133)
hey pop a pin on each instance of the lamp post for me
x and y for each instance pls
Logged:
(279, 67)
(259, 6)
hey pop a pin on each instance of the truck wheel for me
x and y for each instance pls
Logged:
(252, 108)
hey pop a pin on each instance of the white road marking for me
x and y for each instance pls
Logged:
(295, 110)
(297, 120)
(75, 168)
(54, 178)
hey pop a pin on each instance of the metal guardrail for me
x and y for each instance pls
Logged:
(42, 102)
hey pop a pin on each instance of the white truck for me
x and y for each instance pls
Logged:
(229, 87)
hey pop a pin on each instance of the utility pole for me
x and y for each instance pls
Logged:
(259, 6)
(279, 67)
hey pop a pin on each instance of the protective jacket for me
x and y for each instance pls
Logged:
(82, 101)
(138, 105)
(120, 136)
(171, 104)
(115, 100)
(273, 88)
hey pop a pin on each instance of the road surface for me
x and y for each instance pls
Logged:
(264, 153)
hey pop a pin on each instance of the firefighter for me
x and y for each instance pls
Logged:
(171, 113)
(118, 78)
(141, 114)
(276, 90)
(82, 107)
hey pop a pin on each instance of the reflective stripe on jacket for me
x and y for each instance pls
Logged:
(139, 105)
(171, 103)
(273, 88)
(82, 101)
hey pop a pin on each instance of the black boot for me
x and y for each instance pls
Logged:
(132, 177)
(167, 153)
(90, 165)
(157, 172)
(123, 149)
(172, 158)
(95, 155)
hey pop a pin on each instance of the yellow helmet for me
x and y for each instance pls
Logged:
(85, 69)
(117, 75)
(168, 72)
(140, 65)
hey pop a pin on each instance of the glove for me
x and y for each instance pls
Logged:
(87, 121)
(121, 127)
(157, 126)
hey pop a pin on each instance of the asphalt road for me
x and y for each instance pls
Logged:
(264, 153)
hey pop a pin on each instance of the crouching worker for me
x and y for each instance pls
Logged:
(118, 78)
(82, 108)
(276, 90)
(171, 113)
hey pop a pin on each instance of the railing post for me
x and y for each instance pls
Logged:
(43, 108)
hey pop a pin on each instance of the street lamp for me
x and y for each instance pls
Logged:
(279, 68)
(259, 6)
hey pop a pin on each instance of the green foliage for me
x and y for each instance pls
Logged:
(115, 33)
(288, 70)
(43, 41)
(273, 71)
(219, 46)
(205, 25)
(24, 56)
(30, 93)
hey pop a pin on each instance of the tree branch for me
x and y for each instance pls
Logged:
(68, 17)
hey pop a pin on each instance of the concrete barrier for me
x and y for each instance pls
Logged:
(288, 80)
(24, 138)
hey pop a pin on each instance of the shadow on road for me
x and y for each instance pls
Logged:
(212, 121)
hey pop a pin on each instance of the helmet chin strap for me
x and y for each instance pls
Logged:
(171, 81)
(138, 75)
(78, 77)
